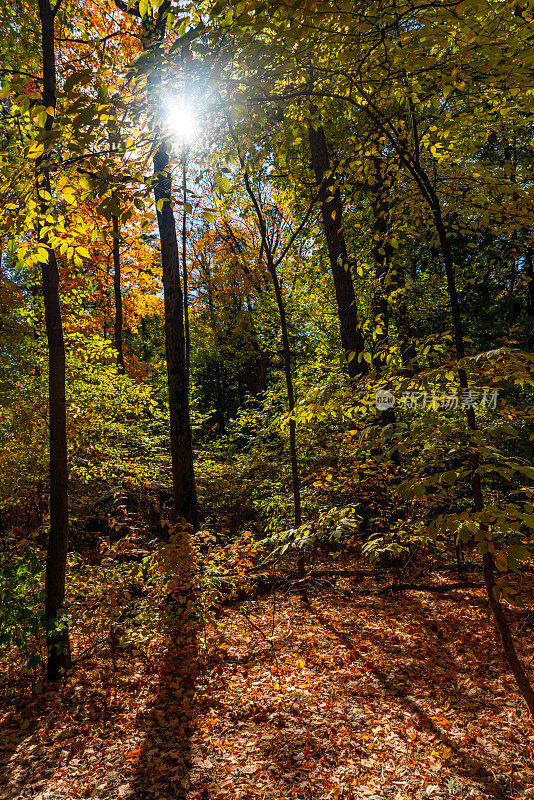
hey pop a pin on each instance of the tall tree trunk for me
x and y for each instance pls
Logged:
(332, 216)
(185, 503)
(499, 616)
(271, 266)
(408, 351)
(184, 263)
(411, 161)
(381, 250)
(144, 340)
(295, 479)
(219, 398)
(529, 272)
(59, 658)
(295, 476)
(261, 378)
(183, 478)
(513, 275)
(118, 293)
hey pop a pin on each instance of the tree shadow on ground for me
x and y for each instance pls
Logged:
(164, 759)
(42, 734)
(466, 765)
(165, 756)
(20, 727)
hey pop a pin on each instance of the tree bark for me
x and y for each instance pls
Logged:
(381, 251)
(118, 294)
(59, 657)
(183, 480)
(332, 216)
(408, 351)
(529, 272)
(144, 340)
(499, 616)
(184, 263)
(271, 266)
(295, 476)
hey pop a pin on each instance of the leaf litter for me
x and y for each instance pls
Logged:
(350, 698)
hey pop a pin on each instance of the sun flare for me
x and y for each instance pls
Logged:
(182, 122)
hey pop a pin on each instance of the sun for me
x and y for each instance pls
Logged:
(181, 121)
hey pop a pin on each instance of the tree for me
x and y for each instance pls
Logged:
(56, 559)
(332, 216)
(184, 493)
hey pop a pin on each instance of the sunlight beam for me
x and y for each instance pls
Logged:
(181, 121)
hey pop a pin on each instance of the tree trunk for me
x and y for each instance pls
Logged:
(144, 340)
(118, 293)
(261, 378)
(529, 272)
(408, 351)
(381, 250)
(271, 266)
(295, 477)
(513, 275)
(184, 264)
(185, 503)
(183, 478)
(332, 216)
(499, 616)
(220, 398)
(59, 658)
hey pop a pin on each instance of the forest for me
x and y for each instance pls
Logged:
(267, 399)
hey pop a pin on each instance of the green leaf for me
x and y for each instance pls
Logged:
(85, 76)
(518, 552)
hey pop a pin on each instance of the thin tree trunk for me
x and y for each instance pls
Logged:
(184, 263)
(295, 477)
(382, 257)
(408, 351)
(271, 266)
(529, 272)
(59, 658)
(332, 216)
(220, 398)
(118, 293)
(382, 253)
(513, 275)
(144, 340)
(185, 504)
(499, 616)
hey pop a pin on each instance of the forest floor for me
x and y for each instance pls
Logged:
(354, 697)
